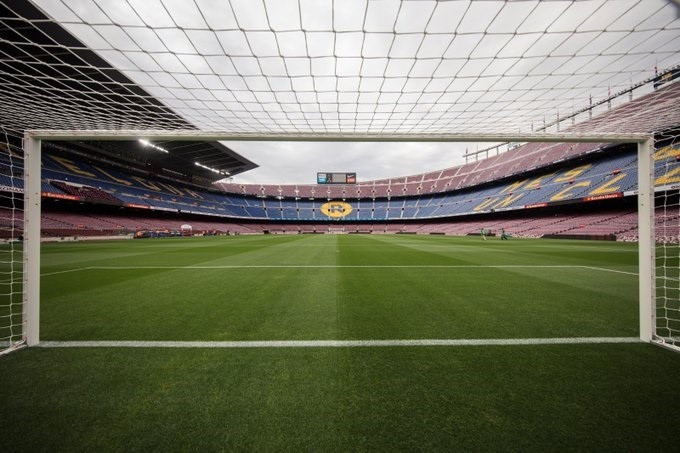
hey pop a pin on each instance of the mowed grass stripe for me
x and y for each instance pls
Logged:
(352, 249)
(473, 250)
(539, 398)
(178, 251)
(587, 397)
(330, 293)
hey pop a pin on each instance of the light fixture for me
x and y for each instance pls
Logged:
(151, 145)
(214, 170)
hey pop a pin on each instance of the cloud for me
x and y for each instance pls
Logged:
(298, 162)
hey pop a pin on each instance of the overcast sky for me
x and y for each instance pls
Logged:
(298, 162)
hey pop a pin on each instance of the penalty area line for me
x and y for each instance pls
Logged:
(605, 269)
(347, 266)
(336, 343)
(47, 274)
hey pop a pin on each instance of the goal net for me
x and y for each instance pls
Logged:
(11, 228)
(503, 72)
(667, 233)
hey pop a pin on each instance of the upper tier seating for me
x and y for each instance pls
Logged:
(85, 192)
(607, 175)
(648, 113)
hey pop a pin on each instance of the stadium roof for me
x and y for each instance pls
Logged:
(42, 82)
(323, 67)
(180, 158)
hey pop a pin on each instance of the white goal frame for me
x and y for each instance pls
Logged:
(32, 194)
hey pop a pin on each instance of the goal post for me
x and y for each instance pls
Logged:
(646, 239)
(32, 202)
(32, 193)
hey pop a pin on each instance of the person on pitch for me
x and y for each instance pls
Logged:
(504, 235)
(483, 234)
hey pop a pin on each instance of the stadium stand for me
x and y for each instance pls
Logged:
(525, 180)
(608, 223)
(85, 192)
(602, 175)
(652, 112)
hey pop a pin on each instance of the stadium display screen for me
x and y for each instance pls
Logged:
(336, 178)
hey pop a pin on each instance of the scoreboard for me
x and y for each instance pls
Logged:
(336, 178)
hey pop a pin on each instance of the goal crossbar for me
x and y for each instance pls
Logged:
(186, 135)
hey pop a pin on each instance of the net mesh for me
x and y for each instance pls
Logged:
(11, 218)
(336, 66)
(351, 66)
(667, 231)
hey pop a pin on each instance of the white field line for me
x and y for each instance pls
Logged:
(604, 269)
(349, 266)
(335, 343)
(65, 271)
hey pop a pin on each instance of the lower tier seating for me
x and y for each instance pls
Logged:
(619, 223)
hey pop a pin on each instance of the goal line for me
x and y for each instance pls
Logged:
(336, 343)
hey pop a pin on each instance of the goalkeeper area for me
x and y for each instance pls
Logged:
(337, 287)
(312, 342)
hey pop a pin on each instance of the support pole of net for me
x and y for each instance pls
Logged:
(32, 193)
(646, 242)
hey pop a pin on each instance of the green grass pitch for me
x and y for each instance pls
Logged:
(604, 397)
